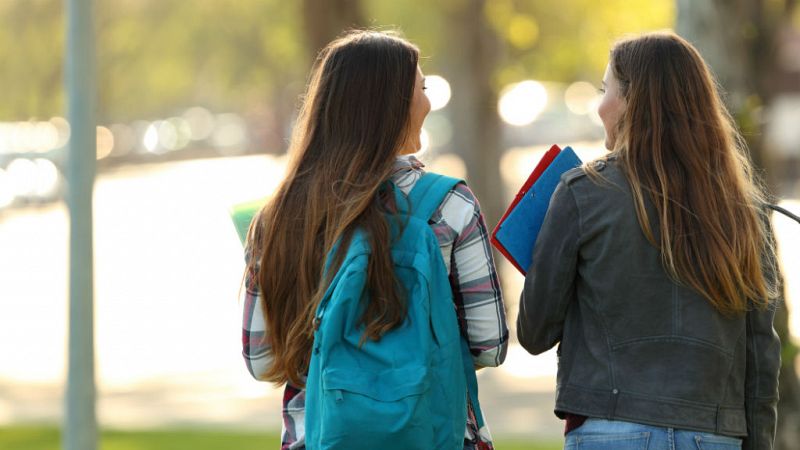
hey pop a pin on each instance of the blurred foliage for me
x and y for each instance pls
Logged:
(568, 40)
(49, 438)
(559, 41)
(796, 18)
(155, 56)
(225, 54)
(31, 42)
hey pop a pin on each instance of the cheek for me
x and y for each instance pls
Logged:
(422, 107)
(603, 109)
(609, 110)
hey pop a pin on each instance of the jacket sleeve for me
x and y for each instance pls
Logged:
(763, 367)
(256, 350)
(476, 287)
(550, 282)
(761, 379)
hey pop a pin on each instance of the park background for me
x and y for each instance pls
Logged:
(195, 103)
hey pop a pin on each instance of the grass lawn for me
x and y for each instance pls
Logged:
(49, 438)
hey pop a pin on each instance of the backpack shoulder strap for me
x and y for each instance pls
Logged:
(783, 211)
(428, 193)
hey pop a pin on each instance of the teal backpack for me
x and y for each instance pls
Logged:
(407, 390)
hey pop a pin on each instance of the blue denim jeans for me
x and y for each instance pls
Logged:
(599, 434)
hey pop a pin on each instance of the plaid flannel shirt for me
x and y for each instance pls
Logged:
(463, 239)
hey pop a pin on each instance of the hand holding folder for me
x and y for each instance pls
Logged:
(515, 235)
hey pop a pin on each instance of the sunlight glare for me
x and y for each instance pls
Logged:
(522, 103)
(438, 91)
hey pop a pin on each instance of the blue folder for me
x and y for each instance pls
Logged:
(517, 233)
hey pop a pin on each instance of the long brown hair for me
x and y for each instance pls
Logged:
(353, 121)
(677, 143)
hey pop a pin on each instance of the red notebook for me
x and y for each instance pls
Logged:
(537, 172)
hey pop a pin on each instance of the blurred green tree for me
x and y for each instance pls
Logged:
(31, 48)
(157, 57)
(324, 20)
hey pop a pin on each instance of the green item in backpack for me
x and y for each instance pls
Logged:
(242, 215)
(407, 390)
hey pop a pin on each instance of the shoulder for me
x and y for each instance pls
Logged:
(596, 185)
(460, 199)
(580, 173)
(457, 188)
(460, 194)
(573, 174)
(462, 190)
(458, 209)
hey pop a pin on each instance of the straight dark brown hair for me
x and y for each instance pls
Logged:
(678, 145)
(352, 124)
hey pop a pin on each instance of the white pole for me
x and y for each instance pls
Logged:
(80, 422)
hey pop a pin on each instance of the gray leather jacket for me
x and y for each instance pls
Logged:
(633, 344)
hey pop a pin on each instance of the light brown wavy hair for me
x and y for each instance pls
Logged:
(678, 145)
(353, 121)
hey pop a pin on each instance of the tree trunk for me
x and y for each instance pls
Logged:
(324, 20)
(717, 32)
(736, 38)
(470, 59)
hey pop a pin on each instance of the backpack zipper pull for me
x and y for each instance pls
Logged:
(337, 394)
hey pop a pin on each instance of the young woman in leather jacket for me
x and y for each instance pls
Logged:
(655, 269)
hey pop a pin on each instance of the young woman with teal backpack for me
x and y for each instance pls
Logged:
(370, 287)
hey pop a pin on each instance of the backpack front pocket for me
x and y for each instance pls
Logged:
(388, 409)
